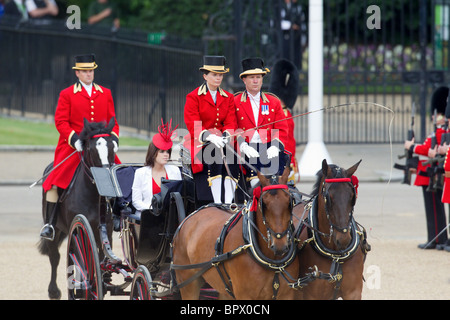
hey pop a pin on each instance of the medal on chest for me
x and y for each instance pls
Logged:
(264, 109)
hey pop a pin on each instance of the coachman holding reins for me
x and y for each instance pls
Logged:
(263, 147)
(210, 118)
(83, 100)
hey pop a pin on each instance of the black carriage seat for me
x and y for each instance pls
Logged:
(124, 176)
(151, 230)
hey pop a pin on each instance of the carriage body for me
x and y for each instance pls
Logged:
(146, 236)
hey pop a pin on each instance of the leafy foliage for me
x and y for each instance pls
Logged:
(184, 18)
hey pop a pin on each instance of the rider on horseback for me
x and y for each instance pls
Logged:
(84, 99)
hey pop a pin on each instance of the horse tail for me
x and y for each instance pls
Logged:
(43, 247)
(47, 247)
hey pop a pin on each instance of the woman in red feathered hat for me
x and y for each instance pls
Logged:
(147, 180)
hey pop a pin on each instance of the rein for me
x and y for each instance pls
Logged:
(278, 266)
(86, 167)
(257, 195)
(325, 198)
(337, 257)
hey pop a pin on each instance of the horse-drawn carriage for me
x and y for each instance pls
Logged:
(145, 237)
(252, 250)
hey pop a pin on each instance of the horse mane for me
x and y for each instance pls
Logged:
(258, 185)
(319, 175)
(92, 129)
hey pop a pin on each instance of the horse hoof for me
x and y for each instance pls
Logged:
(56, 295)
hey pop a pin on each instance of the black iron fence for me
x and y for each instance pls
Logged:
(148, 82)
(394, 61)
(392, 53)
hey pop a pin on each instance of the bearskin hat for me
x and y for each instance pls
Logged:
(439, 100)
(284, 82)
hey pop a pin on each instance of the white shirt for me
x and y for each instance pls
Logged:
(142, 190)
(213, 94)
(31, 5)
(87, 87)
(255, 102)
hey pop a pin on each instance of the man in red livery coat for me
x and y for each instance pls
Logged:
(84, 99)
(210, 118)
(263, 148)
(434, 208)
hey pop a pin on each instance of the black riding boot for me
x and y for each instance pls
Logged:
(47, 231)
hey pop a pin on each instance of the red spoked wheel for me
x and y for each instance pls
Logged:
(141, 285)
(84, 277)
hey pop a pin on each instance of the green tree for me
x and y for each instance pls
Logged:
(183, 18)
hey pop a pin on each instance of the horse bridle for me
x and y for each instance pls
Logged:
(270, 232)
(88, 147)
(86, 168)
(325, 195)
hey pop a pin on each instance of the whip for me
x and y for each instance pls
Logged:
(46, 175)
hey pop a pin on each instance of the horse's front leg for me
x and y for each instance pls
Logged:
(54, 293)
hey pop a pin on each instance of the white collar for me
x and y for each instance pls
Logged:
(87, 87)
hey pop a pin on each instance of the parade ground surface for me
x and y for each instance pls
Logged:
(392, 213)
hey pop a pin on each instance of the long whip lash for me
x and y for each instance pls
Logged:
(45, 175)
(336, 107)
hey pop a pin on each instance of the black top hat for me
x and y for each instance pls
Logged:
(214, 64)
(439, 100)
(253, 66)
(85, 62)
(284, 82)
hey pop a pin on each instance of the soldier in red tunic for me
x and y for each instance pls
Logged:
(263, 147)
(84, 99)
(434, 208)
(210, 118)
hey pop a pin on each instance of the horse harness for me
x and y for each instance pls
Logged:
(359, 237)
(247, 213)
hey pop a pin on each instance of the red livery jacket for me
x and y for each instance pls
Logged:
(74, 105)
(202, 114)
(446, 190)
(290, 145)
(422, 149)
(270, 111)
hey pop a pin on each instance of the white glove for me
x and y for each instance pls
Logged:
(273, 152)
(78, 145)
(116, 147)
(248, 151)
(216, 140)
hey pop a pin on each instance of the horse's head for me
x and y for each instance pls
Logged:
(98, 143)
(337, 196)
(275, 212)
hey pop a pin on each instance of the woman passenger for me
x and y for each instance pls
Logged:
(147, 180)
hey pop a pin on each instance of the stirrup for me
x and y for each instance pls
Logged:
(50, 238)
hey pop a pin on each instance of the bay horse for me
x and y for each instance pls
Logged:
(251, 251)
(81, 197)
(332, 241)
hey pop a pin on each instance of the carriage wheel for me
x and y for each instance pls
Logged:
(141, 286)
(84, 278)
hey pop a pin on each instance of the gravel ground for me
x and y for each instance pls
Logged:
(393, 215)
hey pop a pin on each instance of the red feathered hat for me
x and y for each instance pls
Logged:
(163, 139)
